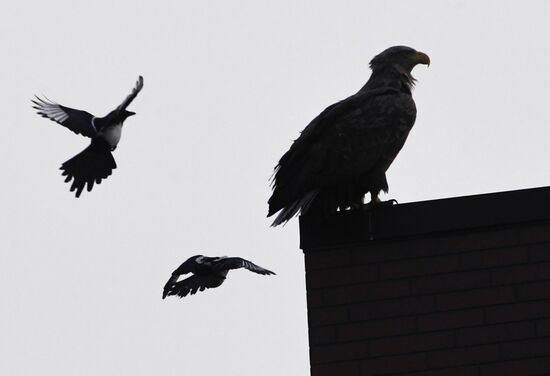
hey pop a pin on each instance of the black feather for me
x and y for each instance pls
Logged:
(345, 151)
(91, 165)
(208, 272)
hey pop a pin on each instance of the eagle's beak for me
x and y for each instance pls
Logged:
(422, 58)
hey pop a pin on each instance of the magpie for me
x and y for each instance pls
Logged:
(208, 272)
(96, 161)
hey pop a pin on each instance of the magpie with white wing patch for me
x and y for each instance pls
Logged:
(96, 162)
(208, 272)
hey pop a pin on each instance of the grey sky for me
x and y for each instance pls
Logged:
(228, 86)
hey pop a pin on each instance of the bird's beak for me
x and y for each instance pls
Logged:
(421, 58)
(130, 113)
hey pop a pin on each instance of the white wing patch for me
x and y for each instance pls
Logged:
(51, 110)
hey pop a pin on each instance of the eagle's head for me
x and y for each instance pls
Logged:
(401, 58)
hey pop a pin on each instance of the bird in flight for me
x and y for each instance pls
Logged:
(208, 272)
(345, 151)
(96, 162)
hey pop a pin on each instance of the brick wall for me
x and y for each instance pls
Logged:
(459, 301)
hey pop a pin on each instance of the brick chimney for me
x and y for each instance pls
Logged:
(453, 287)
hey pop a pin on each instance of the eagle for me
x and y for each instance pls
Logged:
(95, 162)
(208, 272)
(346, 150)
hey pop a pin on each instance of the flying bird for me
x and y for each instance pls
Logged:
(345, 151)
(208, 272)
(96, 162)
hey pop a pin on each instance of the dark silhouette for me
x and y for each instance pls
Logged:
(345, 151)
(470, 299)
(208, 272)
(96, 161)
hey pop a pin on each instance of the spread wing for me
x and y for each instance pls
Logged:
(348, 139)
(192, 284)
(133, 94)
(80, 122)
(229, 263)
(187, 266)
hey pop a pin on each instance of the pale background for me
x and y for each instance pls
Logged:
(228, 86)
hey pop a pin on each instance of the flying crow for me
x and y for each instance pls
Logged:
(96, 161)
(345, 151)
(208, 272)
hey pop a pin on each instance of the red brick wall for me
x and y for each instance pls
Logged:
(454, 303)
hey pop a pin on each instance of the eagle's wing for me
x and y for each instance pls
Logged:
(133, 94)
(229, 263)
(346, 140)
(89, 166)
(193, 284)
(80, 122)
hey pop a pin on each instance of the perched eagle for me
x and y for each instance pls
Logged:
(345, 151)
(208, 272)
(96, 162)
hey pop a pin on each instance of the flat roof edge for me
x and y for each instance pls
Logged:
(425, 217)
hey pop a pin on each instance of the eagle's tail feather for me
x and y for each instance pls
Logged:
(295, 208)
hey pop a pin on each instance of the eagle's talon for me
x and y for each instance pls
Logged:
(379, 203)
(390, 202)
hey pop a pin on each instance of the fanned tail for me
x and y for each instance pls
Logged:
(89, 166)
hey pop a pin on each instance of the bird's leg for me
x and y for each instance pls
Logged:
(376, 202)
(358, 204)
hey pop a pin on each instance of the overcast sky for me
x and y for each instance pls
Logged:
(228, 86)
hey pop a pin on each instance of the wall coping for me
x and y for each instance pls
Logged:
(425, 217)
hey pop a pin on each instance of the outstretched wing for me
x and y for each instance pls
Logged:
(89, 166)
(192, 284)
(80, 122)
(229, 263)
(133, 94)
(190, 265)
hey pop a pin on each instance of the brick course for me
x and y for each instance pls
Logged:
(462, 300)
